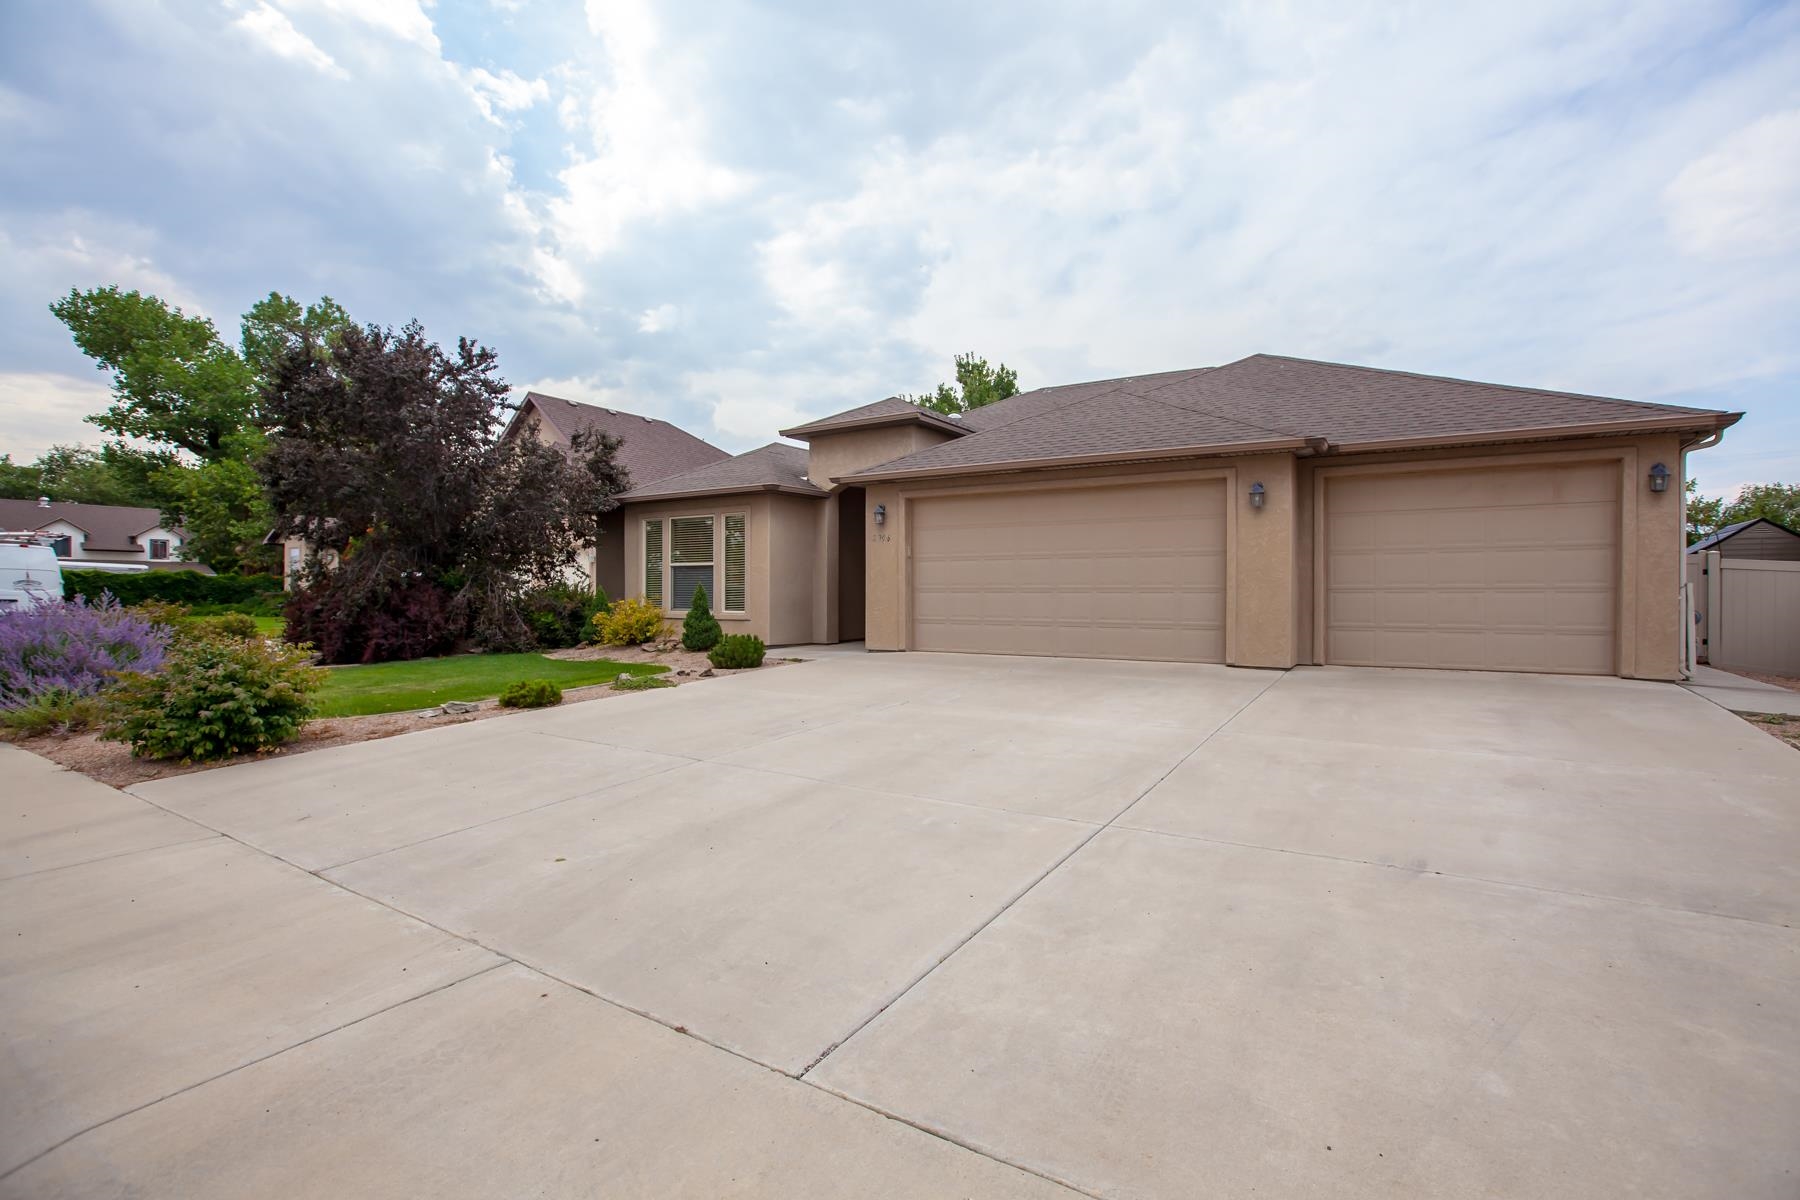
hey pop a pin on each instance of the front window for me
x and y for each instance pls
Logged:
(159, 548)
(64, 546)
(690, 560)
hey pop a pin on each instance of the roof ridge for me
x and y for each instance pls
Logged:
(1212, 412)
(1480, 383)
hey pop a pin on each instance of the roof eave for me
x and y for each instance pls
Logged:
(1672, 423)
(877, 475)
(923, 417)
(732, 490)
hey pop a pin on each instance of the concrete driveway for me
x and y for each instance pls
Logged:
(929, 926)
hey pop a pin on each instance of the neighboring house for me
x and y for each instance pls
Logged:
(1265, 513)
(107, 533)
(649, 448)
(1758, 537)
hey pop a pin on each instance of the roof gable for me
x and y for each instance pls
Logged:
(891, 411)
(777, 467)
(1729, 531)
(650, 448)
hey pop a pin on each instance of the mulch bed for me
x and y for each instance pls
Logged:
(1784, 727)
(112, 763)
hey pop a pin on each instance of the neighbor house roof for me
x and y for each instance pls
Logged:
(652, 448)
(892, 411)
(776, 467)
(1737, 527)
(106, 526)
(1268, 401)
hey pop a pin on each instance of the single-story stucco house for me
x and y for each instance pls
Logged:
(101, 533)
(1266, 513)
(1758, 538)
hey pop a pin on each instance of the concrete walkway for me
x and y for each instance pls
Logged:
(919, 925)
(1741, 694)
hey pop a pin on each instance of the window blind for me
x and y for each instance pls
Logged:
(653, 562)
(734, 562)
(691, 540)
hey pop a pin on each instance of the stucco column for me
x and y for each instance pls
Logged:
(1262, 580)
(885, 627)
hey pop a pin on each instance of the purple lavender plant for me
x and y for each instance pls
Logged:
(72, 646)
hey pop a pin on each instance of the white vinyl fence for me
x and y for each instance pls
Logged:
(1748, 612)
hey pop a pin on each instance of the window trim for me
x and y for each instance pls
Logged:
(165, 543)
(717, 565)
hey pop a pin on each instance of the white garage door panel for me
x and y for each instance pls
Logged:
(1134, 571)
(1498, 569)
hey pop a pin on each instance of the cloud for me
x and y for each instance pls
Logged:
(272, 28)
(44, 409)
(739, 216)
(1744, 197)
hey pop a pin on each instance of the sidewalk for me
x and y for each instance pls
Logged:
(1740, 694)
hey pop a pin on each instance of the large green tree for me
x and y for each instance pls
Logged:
(977, 384)
(1777, 502)
(197, 400)
(114, 474)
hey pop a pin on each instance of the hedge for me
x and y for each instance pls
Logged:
(249, 592)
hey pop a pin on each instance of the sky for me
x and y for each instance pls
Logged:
(738, 216)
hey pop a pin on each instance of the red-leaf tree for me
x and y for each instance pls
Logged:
(386, 451)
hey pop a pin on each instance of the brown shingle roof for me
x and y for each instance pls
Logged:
(652, 449)
(776, 467)
(892, 411)
(107, 526)
(1268, 398)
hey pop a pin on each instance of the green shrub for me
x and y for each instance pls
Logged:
(57, 710)
(736, 651)
(185, 625)
(231, 625)
(629, 623)
(700, 629)
(215, 697)
(257, 594)
(640, 683)
(530, 693)
(561, 614)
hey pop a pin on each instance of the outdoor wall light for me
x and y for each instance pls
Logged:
(1659, 478)
(1256, 495)
(881, 514)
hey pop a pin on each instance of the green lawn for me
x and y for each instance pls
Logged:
(270, 627)
(400, 686)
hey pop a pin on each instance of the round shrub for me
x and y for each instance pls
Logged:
(640, 683)
(214, 698)
(736, 651)
(530, 693)
(700, 629)
(630, 622)
(560, 615)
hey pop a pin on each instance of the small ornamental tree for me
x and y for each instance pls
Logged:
(389, 451)
(700, 629)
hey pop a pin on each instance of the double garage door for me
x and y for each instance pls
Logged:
(1511, 569)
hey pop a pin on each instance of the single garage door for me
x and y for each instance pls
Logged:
(1512, 569)
(1129, 571)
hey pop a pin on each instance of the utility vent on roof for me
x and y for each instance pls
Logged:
(649, 420)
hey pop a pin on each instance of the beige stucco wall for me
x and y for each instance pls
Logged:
(833, 455)
(780, 538)
(1273, 603)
